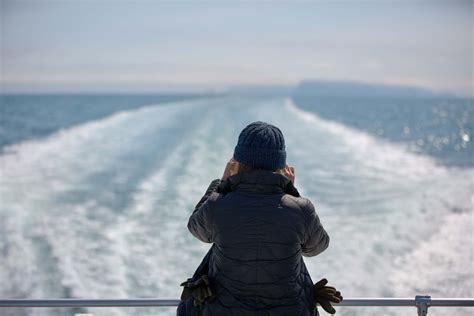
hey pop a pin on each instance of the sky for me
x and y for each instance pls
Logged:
(157, 45)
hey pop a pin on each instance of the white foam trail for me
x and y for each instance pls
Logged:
(371, 194)
(36, 173)
(448, 249)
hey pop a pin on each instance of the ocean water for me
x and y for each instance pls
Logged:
(441, 127)
(96, 205)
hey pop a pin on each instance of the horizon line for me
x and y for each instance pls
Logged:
(199, 88)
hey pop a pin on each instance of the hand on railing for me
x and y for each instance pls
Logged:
(325, 295)
(199, 289)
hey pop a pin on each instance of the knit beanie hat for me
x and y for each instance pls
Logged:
(261, 145)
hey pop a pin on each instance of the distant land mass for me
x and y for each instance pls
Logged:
(261, 90)
(358, 89)
(332, 88)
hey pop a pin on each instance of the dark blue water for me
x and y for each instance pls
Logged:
(439, 126)
(25, 117)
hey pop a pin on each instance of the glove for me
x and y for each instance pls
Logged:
(199, 289)
(325, 295)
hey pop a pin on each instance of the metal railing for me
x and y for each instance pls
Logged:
(422, 303)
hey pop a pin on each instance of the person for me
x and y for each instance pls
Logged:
(260, 228)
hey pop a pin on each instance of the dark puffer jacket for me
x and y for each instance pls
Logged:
(261, 228)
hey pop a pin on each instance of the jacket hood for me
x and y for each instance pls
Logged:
(258, 181)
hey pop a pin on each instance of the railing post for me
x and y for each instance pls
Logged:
(422, 303)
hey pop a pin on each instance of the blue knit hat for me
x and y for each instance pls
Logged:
(261, 145)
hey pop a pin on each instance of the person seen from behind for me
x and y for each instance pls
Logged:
(260, 228)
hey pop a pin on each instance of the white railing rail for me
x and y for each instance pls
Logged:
(422, 303)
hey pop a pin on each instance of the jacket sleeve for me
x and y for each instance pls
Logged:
(199, 222)
(316, 238)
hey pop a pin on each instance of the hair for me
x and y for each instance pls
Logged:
(241, 167)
